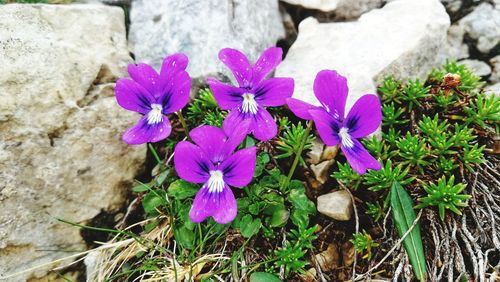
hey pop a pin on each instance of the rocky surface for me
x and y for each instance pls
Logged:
(381, 42)
(454, 46)
(337, 205)
(200, 29)
(495, 63)
(478, 67)
(60, 150)
(483, 25)
(345, 9)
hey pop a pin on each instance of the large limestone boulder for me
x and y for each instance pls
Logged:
(402, 39)
(345, 9)
(200, 29)
(60, 150)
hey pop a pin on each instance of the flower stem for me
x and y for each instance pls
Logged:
(184, 125)
(297, 155)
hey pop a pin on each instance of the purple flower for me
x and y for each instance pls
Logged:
(211, 161)
(333, 126)
(247, 101)
(154, 96)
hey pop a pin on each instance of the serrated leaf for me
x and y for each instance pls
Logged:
(404, 216)
(300, 201)
(249, 226)
(151, 201)
(181, 189)
(263, 277)
(279, 217)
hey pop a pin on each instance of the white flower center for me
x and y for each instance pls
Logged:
(155, 116)
(215, 182)
(249, 104)
(345, 137)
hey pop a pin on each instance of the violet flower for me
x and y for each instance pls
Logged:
(154, 96)
(333, 126)
(211, 161)
(247, 101)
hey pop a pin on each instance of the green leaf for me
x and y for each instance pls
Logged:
(151, 201)
(300, 218)
(141, 188)
(249, 226)
(181, 189)
(279, 217)
(404, 216)
(185, 237)
(161, 178)
(263, 277)
(300, 201)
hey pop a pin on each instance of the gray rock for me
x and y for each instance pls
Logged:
(60, 150)
(483, 25)
(478, 67)
(380, 43)
(200, 29)
(454, 47)
(321, 170)
(495, 74)
(347, 9)
(493, 89)
(337, 205)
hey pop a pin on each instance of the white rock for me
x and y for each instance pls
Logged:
(493, 89)
(337, 205)
(478, 67)
(60, 150)
(321, 170)
(200, 29)
(454, 47)
(347, 9)
(483, 25)
(495, 74)
(401, 39)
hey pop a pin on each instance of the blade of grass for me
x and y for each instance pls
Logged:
(404, 215)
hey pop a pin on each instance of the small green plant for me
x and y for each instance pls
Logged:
(382, 179)
(468, 80)
(291, 256)
(414, 151)
(363, 242)
(291, 140)
(392, 115)
(413, 93)
(390, 90)
(347, 176)
(375, 210)
(445, 195)
(484, 111)
(204, 109)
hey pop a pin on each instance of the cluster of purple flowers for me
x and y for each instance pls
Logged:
(212, 159)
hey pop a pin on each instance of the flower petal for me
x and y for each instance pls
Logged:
(327, 126)
(234, 119)
(227, 96)
(219, 205)
(238, 169)
(331, 90)
(264, 127)
(274, 91)
(268, 61)
(300, 108)
(359, 158)
(173, 64)
(132, 96)
(238, 63)
(177, 95)
(146, 76)
(143, 132)
(364, 117)
(192, 163)
(212, 140)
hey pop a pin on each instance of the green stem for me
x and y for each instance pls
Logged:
(184, 125)
(297, 155)
(157, 158)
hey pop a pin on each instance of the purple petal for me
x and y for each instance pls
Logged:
(173, 64)
(234, 119)
(238, 63)
(143, 132)
(227, 96)
(364, 117)
(264, 126)
(212, 140)
(268, 61)
(300, 108)
(359, 158)
(274, 91)
(236, 135)
(133, 96)
(238, 169)
(327, 126)
(331, 90)
(192, 163)
(146, 76)
(177, 95)
(219, 205)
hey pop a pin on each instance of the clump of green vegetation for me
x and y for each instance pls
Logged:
(363, 242)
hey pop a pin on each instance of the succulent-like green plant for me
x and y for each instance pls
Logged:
(204, 109)
(291, 139)
(347, 176)
(390, 90)
(484, 110)
(445, 195)
(363, 242)
(392, 115)
(468, 80)
(471, 156)
(413, 92)
(413, 150)
(375, 210)
(383, 178)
